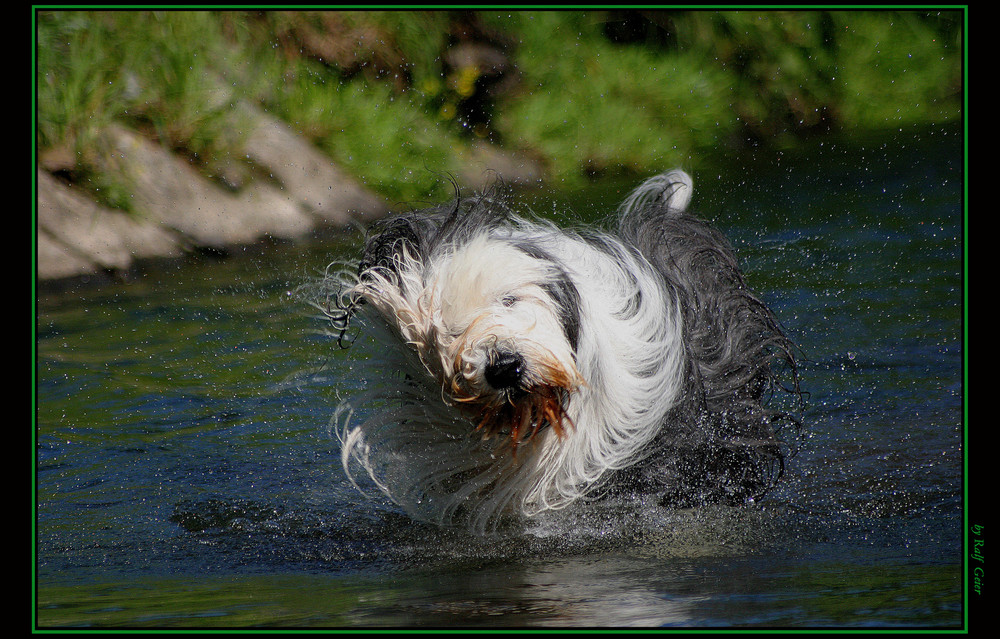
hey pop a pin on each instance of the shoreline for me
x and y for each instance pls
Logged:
(179, 211)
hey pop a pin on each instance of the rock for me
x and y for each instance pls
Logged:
(78, 236)
(166, 188)
(178, 209)
(56, 260)
(485, 163)
(310, 177)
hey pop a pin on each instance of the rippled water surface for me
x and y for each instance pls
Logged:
(185, 478)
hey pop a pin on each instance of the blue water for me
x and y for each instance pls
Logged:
(184, 476)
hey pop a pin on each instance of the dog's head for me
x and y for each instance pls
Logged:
(491, 316)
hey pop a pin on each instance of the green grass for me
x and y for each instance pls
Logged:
(370, 89)
(729, 76)
(592, 107)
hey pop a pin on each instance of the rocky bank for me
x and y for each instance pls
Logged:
(178, 210)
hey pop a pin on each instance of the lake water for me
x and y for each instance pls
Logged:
(184, 477)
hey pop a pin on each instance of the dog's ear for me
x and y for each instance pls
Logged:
(384, 247)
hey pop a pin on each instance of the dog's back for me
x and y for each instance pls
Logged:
(721, 441)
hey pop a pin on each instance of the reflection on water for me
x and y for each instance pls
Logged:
(185, 477)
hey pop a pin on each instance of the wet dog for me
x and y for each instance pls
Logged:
(519, 367)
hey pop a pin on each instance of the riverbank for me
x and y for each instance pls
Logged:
(182, 211)
(224, 127)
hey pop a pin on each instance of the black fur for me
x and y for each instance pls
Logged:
(721, 442)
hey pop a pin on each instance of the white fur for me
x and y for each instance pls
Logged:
(433, 330)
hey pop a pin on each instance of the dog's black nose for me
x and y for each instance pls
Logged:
(504, 370)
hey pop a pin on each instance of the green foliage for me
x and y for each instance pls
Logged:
(372, 131)
(163, 72)
(793, 71)
(372, 89)
(897, 71)
(719, 78)
(587, 103)
(160, 69)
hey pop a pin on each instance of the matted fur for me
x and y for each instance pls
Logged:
(520, 366)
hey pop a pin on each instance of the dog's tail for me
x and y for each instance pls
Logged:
(668, 192)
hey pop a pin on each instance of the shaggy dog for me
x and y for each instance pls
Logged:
(521, 367)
